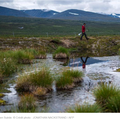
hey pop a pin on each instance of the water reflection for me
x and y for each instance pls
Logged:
(83, 61)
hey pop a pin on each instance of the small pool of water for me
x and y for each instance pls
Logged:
(77, 62)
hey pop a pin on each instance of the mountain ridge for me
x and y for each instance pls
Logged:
(71, 14)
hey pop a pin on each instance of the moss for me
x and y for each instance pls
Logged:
(118, 70)
(2, 102)
(1, 95)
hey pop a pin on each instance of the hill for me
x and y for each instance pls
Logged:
(71, 14)
(11, 12)
(40, 13)
(74, 14)
(21, 26)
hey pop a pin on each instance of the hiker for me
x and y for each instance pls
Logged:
(83, 32)
(84, 62)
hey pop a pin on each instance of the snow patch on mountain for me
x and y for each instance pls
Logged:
(73, 13)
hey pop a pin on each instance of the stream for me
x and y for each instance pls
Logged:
(98, 69)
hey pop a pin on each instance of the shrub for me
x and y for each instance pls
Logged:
(85, 109)
(27, 103)
(61, 52)
(104, 92)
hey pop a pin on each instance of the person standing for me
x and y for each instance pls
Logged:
(83, 32)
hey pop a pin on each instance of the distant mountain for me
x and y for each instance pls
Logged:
(71, 14)
(74, 14)
(11, 12)
(40, 13)
(115, 15)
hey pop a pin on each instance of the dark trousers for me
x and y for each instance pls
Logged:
(83, 35)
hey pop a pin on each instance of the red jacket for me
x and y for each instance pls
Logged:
(83, 28)
(83, 65)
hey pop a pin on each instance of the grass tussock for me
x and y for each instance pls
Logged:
(37, 83)
(38, 54)
(10, 60)
(75, 74)
(104, 92)
(113, 104)
(64, 82)
(27, 103)
(7, 66)
(21, 56)
(85, 109)
(68, 78)
(61, 53)
(40, 91)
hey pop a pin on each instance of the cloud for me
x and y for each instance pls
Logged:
(6, 1)
(105, 6)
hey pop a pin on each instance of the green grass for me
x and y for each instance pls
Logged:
(27, 103)
(119, 51)
(49, 27)
(61, 50)
(74, 73)
(104, 92)
(85, 109)
(35, 52)
(113, 104)
(7, 66)
(40, 78)
(63, 82)
(2, 102)
(21, 55)
(66, 79)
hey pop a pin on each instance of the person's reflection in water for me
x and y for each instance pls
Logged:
(84, 62)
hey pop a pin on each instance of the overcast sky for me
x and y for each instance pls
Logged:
(98, 6)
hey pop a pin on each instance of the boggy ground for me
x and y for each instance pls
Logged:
(95, 46)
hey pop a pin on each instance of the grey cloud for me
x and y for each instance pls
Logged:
(6, 1)
(99, 6)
